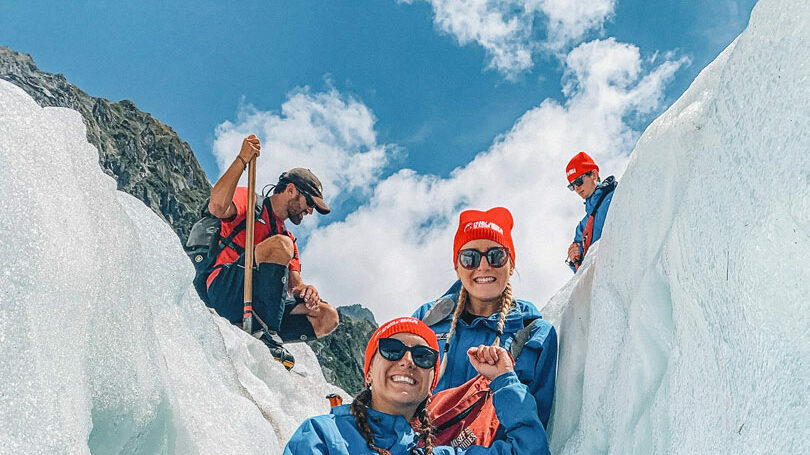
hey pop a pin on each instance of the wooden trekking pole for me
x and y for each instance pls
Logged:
(247, 318)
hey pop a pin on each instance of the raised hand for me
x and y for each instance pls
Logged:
(251, 148)
(491, 361)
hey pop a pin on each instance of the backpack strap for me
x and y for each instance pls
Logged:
(443, 307)
(228, 241)
(611, 185)
(521, 337)
(587, 233)
(266, 205)
(599, 202)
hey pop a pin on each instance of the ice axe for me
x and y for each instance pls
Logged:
(247, 317)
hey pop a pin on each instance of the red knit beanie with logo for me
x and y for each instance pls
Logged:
(402, 325)
(580, 164)
(494, 224)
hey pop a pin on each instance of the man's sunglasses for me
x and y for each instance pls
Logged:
(496, 257)
(578, 181)
(393, 350)
(307, 198)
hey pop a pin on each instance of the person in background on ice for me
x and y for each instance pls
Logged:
(277, 268)
(583, 177)
(389, 416)
(480, 310)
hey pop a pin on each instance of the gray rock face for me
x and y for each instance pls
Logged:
(358, 311)
(145, 156)
(150, 162)
(341, 353)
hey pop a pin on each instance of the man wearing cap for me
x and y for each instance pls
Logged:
(583, 177)
(286, 308)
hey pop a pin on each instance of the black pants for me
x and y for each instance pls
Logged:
(270, 300)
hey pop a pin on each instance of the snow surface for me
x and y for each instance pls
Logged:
(104, 347)
(688, 330)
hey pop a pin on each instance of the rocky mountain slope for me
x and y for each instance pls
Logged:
(150, 161)
(341, 353)
(145, 156)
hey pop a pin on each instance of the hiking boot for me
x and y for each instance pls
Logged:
(277, 349)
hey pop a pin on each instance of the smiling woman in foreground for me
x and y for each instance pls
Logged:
(389, 416)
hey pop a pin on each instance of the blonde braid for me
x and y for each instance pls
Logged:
(462, 302)
(506, 305)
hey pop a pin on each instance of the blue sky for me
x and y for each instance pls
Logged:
(385, 98)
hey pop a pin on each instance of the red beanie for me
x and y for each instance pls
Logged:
(402, 325)
(494, 224)
(580, 164)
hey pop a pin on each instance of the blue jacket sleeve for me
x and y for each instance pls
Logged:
(542, 388)
(580, 229)
(517, 412)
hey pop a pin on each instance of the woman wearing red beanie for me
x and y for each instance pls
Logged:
(389, 416)
(480, 310)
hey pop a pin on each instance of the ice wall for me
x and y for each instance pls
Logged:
(688, 331)
(104, 347)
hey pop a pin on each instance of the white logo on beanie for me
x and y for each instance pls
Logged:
(483, 225)
(572, 171)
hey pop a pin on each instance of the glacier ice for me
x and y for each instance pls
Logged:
(104, 347)
(687, 331)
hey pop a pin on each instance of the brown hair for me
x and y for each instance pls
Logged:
(359, 409)
(506, 305)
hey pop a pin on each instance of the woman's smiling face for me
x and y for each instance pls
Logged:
(398, 387)
(484, 284)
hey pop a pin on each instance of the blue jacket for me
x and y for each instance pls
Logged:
(536, 366)
(607, 185)
(337, 434)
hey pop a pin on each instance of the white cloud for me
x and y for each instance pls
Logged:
(569, 20)
(507, 29)
(395, 252)
(330, 133)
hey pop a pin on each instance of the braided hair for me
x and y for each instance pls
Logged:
(425, 427)
(506, 305)
(359, 409)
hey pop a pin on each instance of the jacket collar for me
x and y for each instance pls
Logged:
(607, 185)
(390, 432)
(513, 323)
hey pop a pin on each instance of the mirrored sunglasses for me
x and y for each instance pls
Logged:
(471, 258)
(393, 350)
(578, 181)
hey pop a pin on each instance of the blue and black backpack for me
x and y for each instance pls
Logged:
(204, 244)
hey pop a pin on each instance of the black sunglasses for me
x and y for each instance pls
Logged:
(393, 350)
(307, 198)
(578, 181)
(496, 257)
